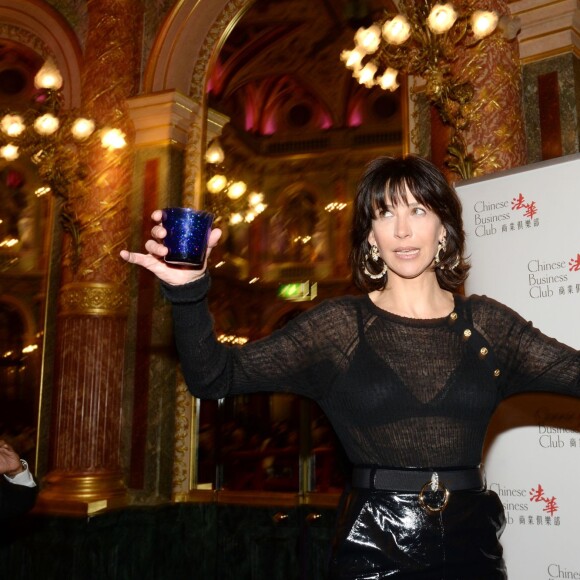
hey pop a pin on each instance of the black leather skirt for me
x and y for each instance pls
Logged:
(384, 534)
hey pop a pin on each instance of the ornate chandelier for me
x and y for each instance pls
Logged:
(426, 39)
(57, 142)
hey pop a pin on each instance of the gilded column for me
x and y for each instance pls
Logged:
(85, 465)
(491, 127)
(497, 133)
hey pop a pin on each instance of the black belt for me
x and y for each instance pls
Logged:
(433, 487)
(413, 480)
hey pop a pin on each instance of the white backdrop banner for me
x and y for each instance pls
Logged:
(523, 237)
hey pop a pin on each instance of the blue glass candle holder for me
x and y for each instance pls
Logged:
(187, 235)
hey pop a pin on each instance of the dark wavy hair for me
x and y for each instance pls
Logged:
(386, 181)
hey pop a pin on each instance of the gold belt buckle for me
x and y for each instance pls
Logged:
(434, 486)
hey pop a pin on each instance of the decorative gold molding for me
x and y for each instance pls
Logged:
(183, 466)
(547, 28)
(93, 299)
(322, 499)
(78, 493)
(196, 496)
(258, 498)
(160, 117)
(518, 8)
(25, 37)
(570, 49)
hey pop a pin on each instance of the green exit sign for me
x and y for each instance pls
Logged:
(297, 291)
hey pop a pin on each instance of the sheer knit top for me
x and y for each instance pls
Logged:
(399, 392)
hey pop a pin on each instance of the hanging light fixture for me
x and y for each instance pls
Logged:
(45, 117)
(57, 141)
(48, 77)
(82, 128)
(425, 40)
(214, 154)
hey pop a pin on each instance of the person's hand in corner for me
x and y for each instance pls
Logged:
(10, 464)
(18, 490)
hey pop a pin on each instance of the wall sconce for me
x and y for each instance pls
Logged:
(425, 40)
(54, 140)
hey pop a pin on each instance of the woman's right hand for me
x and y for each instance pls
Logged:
(154, 262)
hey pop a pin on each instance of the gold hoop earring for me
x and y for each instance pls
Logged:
(375, 276)
(374, 256)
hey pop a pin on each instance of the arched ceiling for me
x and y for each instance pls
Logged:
(280, 70)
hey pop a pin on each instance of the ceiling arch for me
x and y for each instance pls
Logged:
(183, 40)
(194, 33)
(39, 27)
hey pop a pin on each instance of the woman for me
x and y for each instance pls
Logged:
(409, 375)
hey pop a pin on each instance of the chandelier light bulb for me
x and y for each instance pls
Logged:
(352, 58)
(259, 208)
(82, 129)
(345, 55)
(397, 30)
(366, 76)
(250, 217)
(237, 189)
(113, 139)
(9, 152)
(368, 39)
(217, 183)
(388, 80)
(214, 154)
(48, 77)
(236, 218)
(12, 125)
(483, 23)
(441, 18)
(43, 190)
(255, 198)
(46, 124)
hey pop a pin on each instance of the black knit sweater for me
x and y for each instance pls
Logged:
(399, 392)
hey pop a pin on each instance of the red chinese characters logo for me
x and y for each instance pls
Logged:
(574, 264)
(538, 495)
(530, 209)
(518, 202)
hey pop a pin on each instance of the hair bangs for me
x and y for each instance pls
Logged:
(396, 191)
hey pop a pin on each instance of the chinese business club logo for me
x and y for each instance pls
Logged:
(505, 216)
(547, 278)
(528, 507)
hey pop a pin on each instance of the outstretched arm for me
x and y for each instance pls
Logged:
(153, 260)
(300, 358)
